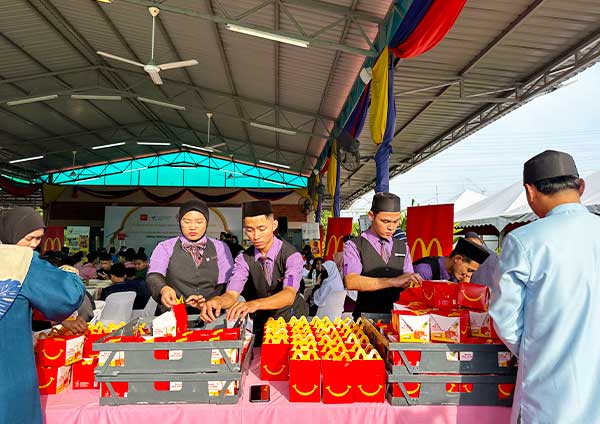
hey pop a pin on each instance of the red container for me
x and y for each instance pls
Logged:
(181, 318)
(412, 294)
(121, 388)
(274, 361)
(473, 296)
(90, 339)
(59, 351)
(83, 374)
(53, 380)
(441, 295)
(338, 379)
(370, 377)
(305, 377)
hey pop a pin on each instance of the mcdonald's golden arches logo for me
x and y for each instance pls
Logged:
(426, 250)
(338, 245)
(52, 244)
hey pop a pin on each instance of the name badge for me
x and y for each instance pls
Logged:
(399, 254)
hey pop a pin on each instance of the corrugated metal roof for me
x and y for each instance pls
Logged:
(241, 78)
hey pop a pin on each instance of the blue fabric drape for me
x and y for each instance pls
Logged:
(413, 17)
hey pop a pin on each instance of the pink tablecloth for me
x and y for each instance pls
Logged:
(81, 407)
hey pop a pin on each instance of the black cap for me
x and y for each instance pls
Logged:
(471, 250)
(549, 164)
(194, 205)
(385, 202)
(257, 208)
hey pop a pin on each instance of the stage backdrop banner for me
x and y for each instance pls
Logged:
(54, 238)
(429, 230)
(337, 229)
(146, 226)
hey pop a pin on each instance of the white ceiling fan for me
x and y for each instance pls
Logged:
(151, 67)
(208, 147)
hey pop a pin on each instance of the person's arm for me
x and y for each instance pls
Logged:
(54, 292)
(408, 265)
(225, 261)
(157, 270)
(508, 293)
(279, 300)
(286, 297)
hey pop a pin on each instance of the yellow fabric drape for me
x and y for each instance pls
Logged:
(332, 170)
(379, 98)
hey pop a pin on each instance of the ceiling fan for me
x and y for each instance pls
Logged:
(151, 67)
(208, 147)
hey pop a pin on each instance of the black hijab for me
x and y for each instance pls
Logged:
(17, 223)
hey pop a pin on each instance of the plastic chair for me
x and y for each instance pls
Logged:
(118, 307)
(148, 310)
(333, 306)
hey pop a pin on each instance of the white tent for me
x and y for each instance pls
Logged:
(466, 199)
(510, 206)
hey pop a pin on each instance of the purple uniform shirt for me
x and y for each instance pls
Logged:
(159, 262)
(424, 270)
(352, 263)
(293, 268)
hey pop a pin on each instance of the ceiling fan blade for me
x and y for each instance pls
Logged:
(155, 77)
(173, 65)
(214, 146)
(119, 58)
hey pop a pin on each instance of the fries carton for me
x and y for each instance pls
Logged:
(473, 296)
(59, 351)
(53, 380)
(449, 326)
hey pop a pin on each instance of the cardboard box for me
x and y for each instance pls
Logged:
(412, 294)
(413, 390)
(53, 380)
(441, 294)
(370, 377)
(59, 351)
(473, 296)
(338, 379)
(274, 361)
(82, 374)
(120, 388)
(305, 376)
(482, 325)
(412, 325)
(449, 326)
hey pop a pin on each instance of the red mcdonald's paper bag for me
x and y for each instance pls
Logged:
(370, 377)
(473, 296)
(274, 361)
(305, 376)
(83, 374)
(441, 294)
(338, 379)
(411, 294)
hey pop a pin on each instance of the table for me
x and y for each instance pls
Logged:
(81, 407)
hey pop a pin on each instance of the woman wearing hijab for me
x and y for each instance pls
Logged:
(26, 282)
(192, 265)
(331, 294)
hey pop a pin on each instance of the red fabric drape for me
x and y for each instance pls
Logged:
(18, 190)
(432, 29)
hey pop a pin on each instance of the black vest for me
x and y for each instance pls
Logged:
(434, 264)
(257, 287)
(186, 278)
(380, 301)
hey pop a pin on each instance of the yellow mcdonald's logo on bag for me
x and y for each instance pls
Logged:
(426, 250)
(52, 244)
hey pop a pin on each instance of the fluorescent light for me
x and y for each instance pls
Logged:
(230, 172)
(32, 100)
(206, 149)
(278, 165)
(270, 128)
(136, 169)
(26, 159)
(94, 97)
(88, 179)
(152, 143)
(273, 182)
(163, 104)
(183, 166)
(268, 35)
(106, 146)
